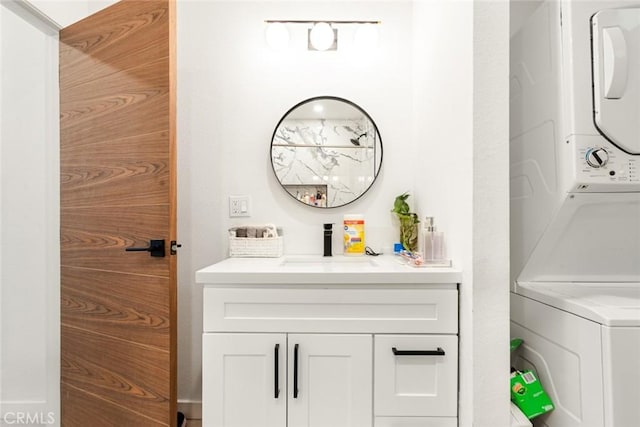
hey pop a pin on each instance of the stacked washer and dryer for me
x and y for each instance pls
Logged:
(575, 208)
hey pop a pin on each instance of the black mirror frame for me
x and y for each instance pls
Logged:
(332, 98)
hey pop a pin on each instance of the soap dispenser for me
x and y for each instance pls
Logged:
(433, 241)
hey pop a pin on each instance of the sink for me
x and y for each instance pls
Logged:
(318, 261)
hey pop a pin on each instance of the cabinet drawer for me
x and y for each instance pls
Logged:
(331, 310)
(413, 384)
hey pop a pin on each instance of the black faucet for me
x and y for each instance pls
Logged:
(328, 232)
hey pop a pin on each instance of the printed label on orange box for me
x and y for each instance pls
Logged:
(354, 235)
(528, 395)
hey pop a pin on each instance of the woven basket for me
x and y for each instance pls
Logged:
(272, 247)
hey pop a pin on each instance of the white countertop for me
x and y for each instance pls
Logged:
(315, 269)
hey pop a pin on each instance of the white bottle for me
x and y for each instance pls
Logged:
(433, 242)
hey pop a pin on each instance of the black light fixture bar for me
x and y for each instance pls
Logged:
(296, 21)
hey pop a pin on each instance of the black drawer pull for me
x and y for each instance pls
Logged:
(295, 371)
(438, 352)
(276, 385)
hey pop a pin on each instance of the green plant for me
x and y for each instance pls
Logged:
(408, 223)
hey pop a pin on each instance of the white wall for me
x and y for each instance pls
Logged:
(519, 12)
(437, 123)
(443, 133)
(461, 135)
(29, 220)
(232, 91)
(63, 13)
(66, 12)
(490, 305)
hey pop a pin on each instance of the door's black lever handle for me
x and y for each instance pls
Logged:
(155, 249)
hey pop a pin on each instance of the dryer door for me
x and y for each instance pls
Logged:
(615, 35)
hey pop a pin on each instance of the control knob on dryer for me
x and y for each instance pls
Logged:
(597, 157)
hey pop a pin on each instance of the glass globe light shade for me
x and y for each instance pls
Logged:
(321, 36)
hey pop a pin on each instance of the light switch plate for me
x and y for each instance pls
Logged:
(239, 206)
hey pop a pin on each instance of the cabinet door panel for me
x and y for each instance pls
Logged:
(416, 385)
(239, 380)
(334, 381)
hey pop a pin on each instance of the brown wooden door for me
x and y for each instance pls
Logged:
(117, 127)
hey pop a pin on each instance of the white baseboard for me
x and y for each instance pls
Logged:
(191, 409)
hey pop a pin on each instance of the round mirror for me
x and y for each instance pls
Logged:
(326, 152)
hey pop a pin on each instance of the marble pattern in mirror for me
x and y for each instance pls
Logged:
(326, 152)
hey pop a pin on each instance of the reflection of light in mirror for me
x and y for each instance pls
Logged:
(366, 37)
(318, 108)
(315, 178)
(326, 178)
(277, 36)
(335, 178)
(361, 179)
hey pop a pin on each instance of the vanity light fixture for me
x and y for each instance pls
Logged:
(323, 36)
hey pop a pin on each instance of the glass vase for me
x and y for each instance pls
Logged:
(409, 234)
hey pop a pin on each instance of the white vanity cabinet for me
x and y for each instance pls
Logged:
(259, 380)
(302, 351)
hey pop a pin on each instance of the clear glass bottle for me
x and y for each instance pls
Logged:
(433, 242)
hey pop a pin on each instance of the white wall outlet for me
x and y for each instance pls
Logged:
(239, 206)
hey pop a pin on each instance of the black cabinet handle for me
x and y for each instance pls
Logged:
(276, 387)
(295, 371)
(156, 248)
(438, 352)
